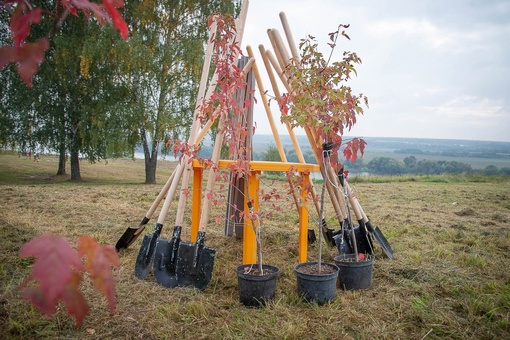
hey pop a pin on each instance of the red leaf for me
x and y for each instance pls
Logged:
(29, 56)
(67, 4)
(74, 300)
(118, 21)
(7, 56)
(99, 260)
(90, 7)
(54, 266)
(353, 147)
(21, 21)
(37, 297)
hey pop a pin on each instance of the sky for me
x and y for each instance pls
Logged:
(431, 68)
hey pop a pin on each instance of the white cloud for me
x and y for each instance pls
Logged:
(469, 109)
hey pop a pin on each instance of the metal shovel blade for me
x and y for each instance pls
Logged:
(146, 253)
(381, 240)
(195, 263)
(328, 233)
(342, 245)
(130, 235)
(165, 259)
(364, 241)
(342, 239)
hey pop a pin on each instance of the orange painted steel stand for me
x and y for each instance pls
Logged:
(256, 168)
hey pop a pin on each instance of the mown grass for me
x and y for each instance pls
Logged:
(449, 280)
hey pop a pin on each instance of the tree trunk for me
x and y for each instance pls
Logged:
(150, 169)
(75, 166)
(151, 159)
(61, 160)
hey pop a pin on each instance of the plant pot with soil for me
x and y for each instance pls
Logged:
(316, 281)
(256, 282)
(355, 274)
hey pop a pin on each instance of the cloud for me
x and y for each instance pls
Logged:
(469, 109)
(423, 30)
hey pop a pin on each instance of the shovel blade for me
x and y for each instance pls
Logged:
(380, 239)
(146, 253)
(130, 235)
(329, 236)
(363, 241)
(195, 263)
(342, 244)
(383, 242)
(165, 259)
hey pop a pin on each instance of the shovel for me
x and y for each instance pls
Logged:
(147, 249)
(132, 233)
(195, 262)
(378, 235)
(365, 244)
(374, 231)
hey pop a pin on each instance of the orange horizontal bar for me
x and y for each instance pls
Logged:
(268, 166)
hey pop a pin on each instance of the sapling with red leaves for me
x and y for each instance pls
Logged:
(321, 102)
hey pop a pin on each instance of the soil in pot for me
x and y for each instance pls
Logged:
(256, 290)
(354, 275)
(315, 286)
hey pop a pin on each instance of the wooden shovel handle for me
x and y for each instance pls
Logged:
(288, 35)
(269, 114)
(195, 127)
(160, 196)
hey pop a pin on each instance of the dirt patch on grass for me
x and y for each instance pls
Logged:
(466, 212)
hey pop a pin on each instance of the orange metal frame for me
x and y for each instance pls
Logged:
(256, 168)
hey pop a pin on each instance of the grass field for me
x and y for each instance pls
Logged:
(450, 279)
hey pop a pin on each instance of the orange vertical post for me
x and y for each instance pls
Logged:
(196, 201)
(249, 239)
(303, 218)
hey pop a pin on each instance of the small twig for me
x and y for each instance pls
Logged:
(430, 331)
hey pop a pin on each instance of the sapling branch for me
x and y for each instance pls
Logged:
(256, 229)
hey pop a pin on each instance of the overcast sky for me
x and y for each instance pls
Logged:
(431, 68)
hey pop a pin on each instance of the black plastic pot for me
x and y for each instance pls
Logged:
(354, 275)
(256, 290)
(319, 288)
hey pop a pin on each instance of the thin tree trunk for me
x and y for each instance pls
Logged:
(151, 159)
(75, 166)
(61, 159)
(75, 155)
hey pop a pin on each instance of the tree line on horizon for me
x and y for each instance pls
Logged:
(392, 166)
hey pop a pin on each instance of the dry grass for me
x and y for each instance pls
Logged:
(450, 278)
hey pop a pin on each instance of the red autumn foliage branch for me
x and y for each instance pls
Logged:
(59, 270)
(29, 55)
(222, 101)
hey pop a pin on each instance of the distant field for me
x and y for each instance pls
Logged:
(475, 162)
